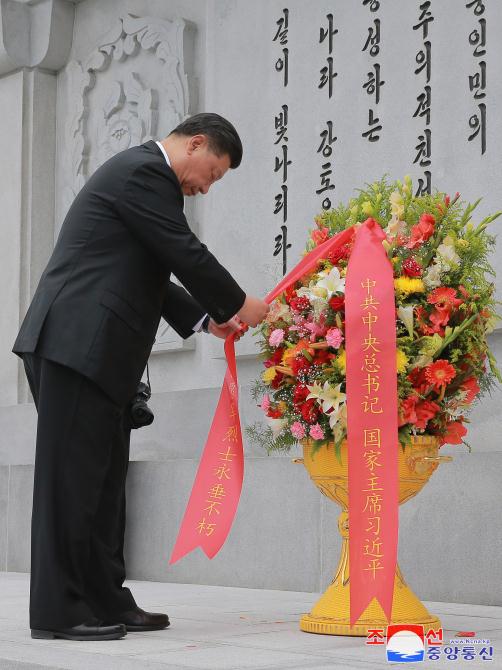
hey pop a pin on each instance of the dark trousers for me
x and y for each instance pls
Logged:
(78, 516)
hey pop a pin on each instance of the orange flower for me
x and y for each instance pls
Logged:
(439, 373)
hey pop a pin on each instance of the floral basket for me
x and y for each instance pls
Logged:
(445, 308)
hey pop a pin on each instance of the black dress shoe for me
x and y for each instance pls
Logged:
(137, 620)
(94, 629)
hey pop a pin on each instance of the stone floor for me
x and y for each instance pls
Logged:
(221, 628)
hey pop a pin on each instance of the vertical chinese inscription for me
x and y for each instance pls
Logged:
(222, 471)
(477, 80)
(423, 109)
(374, 82)
(281, 142)
(372, 404)
(327, 75)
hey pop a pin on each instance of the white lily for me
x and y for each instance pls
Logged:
(332, 282)
(405, 314)
(329, 397)
(338, 421)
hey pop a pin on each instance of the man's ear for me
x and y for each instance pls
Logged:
(196, 142)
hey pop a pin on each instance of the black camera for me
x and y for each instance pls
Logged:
(139, 413)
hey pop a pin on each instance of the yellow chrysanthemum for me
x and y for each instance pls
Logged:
(268, 375)
(407, 285)
(341, 361)
(401, 360)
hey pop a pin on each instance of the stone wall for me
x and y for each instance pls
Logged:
(79, 81)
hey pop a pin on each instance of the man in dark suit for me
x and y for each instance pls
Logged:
(85, 342)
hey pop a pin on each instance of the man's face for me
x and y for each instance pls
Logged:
(203, 167)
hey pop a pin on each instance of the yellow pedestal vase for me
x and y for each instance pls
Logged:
(330, 615)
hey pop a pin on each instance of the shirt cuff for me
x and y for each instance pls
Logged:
(198, 326)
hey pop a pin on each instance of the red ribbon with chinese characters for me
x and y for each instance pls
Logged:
(218, 482)
(371, 387)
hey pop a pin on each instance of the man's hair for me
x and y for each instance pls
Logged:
(222, 136)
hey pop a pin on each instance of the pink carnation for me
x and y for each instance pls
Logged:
(276, 337)
(334, 337)
(297, 430)
(265, 402)
(316, 432)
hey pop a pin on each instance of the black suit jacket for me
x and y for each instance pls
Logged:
(100, 298)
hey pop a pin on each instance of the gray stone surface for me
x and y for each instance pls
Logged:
(451, 535)
(19, 428)
(4, 512)
(273, 541)
(19, 521)
(219, 627)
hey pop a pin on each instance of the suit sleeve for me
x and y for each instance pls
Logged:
(181, 311)
(151, 207)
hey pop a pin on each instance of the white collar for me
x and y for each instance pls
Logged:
(159, 144)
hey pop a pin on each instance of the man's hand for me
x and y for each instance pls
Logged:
(223, 330)
(253, 311)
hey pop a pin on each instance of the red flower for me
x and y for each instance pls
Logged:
(275, 359)
(338, 254)
(337, 303)
(444, 298)
(322, 356)
(276, 381)
(300, 304)
(440, 373)
(422, 316)
(289, 294)
(418, 380)
(309, 411)
(319, 236)
(299, 363)
(425, 410)
(300, 394)
(472, 387)
(421, 231)
(274, 413)
(439, 318)
(416, 413)
(455, 431)
(407, 412)
(412, 268)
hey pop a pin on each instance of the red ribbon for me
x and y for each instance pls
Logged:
(220, 471)
(218, 482)
(371, 386)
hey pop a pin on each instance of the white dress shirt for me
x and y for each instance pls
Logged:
(198, 326)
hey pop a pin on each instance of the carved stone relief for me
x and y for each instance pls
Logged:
(133, 87)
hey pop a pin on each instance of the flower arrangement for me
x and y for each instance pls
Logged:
(445, 308)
